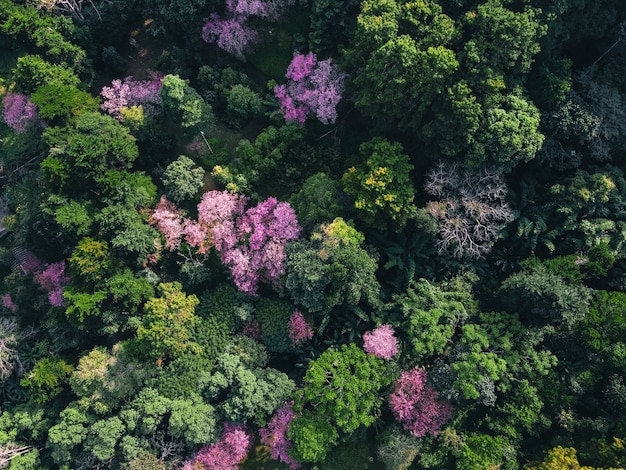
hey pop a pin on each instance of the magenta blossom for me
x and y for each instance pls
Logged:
(275, 435)
(313, 88)
(417, 406)
(128, 93)
(381, 342)
(227, 453)
(18, 111)
(299, 329)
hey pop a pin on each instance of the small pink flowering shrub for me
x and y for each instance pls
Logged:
(18, 112)
(381, 342)
(417, 406)
(313, 88)
(275, 435)
(299, 330)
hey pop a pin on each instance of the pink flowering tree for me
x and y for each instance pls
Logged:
(53, 279)
(18, 112)
(231, 32)
(275, 435)
(128, 93)
(7, 302)
(169, 222)
(416, 405)
(299, 329)
(251, 243)
(232, 35)
(313, 88)
(226, 454)
(381, 342)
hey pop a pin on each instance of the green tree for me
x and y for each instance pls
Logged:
(168, 321)
(185, 106)
(332, 270)
(246, 393)
(432, 314)
(85, 150)
(340, 392)
(182, 179)
(318, 201)
(103, 379)
(382, 190)
(32, 72)
(61, 103)
(47, 378)
(242, 104)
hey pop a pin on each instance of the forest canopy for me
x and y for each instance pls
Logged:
(312, 234)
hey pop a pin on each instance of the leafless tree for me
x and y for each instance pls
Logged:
(72, 7)
(10, 336)
(471, 210)
(9, 451)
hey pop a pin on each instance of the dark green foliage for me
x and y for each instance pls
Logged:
(85, 150)
(242, 104)
(540, 295)
(332, 270)
(217, 314)
(273, 315)
(318, 201)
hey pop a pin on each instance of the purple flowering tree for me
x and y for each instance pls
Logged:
(275, 435)
(129, 92)
(18, 112)
(313, 88)
(168, 220)
(232, 33)
(225, 454)
(250, 242)
(52, 279)
(299, 329)
(417, 406)
(381, 342)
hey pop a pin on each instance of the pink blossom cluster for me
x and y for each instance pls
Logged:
(226, 454)
(269, 9)
(299, 329)
(18, 111)
(52, 279)
(250, 242)
(128, 93)
(313, 88)
(275, 435)
(417, 406)
(231, 33)
(381, 342)
(7, 302)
